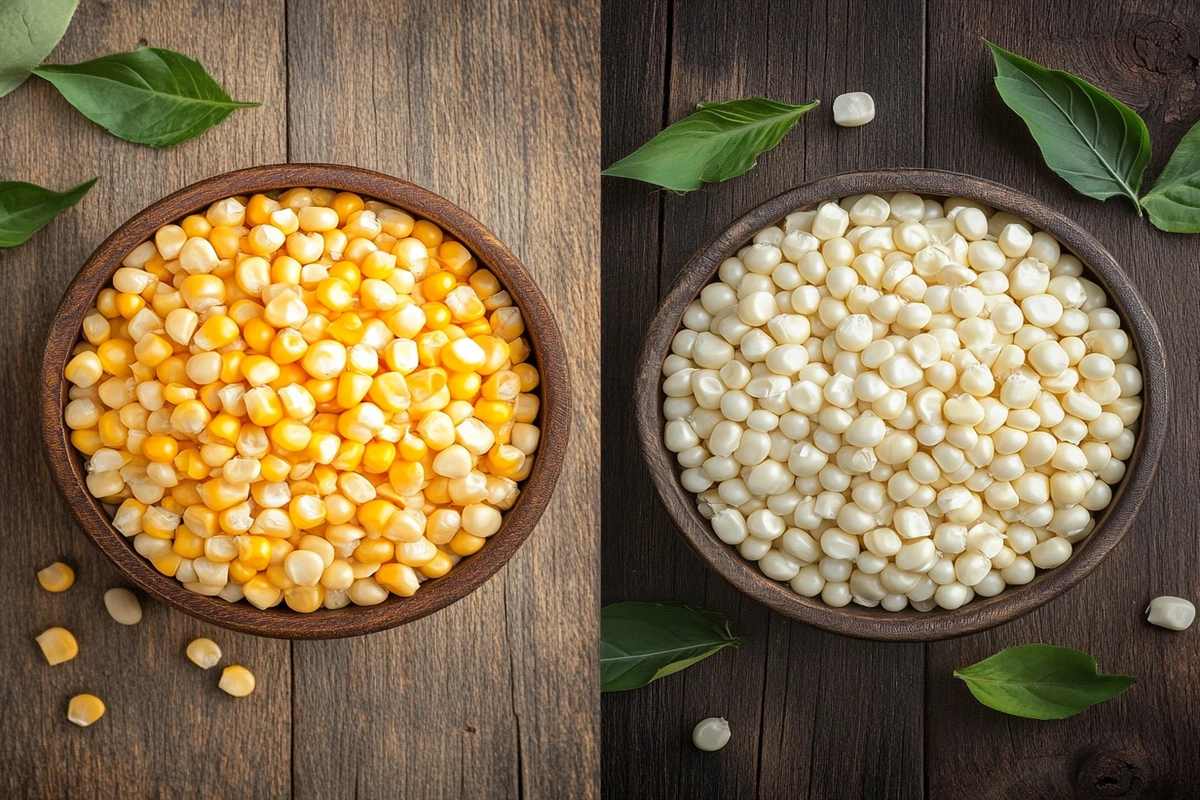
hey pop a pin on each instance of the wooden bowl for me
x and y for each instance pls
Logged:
(910, 624)
(66, 464)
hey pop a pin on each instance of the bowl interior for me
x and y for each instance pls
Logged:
(909, 624)
(67, 466)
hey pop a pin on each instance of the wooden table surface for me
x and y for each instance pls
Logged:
(817, 715)
(491, 103)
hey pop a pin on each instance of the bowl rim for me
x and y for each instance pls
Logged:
(908, 625)
(545, 342)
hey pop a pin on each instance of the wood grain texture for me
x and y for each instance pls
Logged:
(492, 105)
(1141, 744)
(821, 717)
(909, 624)
(788, 694)
(166, 721)
(553, 392)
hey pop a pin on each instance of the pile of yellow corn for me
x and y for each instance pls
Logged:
(305, 398)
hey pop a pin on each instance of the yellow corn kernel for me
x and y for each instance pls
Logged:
(167, 564)
(196, 225)
(57, 577)
(496, 353)
(84, 709)
(290, 435)
(274, 468)
(129, 304)
(335, 294)
(258, 334)
(477, 327)
(263, 406)
(323, 447)
(347, 272)
(289, 374)
(216, 332)
(390, 391)
(463, 355)
(188, 544)
(236, 680)
(352, 388)
(349, 456)
(160, 449)
(427, 233)
(493, 412)
(115, 357)
(439, 566)
(464, 385)
(219, 494)
(505, 460)
(437, 285)
(361, 423)
(112, 433)
(398, 579)
(200, 520)
(304, 599)
(190, 417)
(407, 477)
(86, 441)
(374, 551)
(529, 376)
(288, 347)
(254, 552)
(347, 329)
(306, 511)
(58, 645)
(202, 292)
(465, 544)
(210, 395)
(437, 316)
(225, 427)
(378, 456)
(185, 493)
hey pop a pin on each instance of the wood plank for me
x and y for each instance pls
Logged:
(790, 692)
(168, 730)
(1141, 744)
(494, 105)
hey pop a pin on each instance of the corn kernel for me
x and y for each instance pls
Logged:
(85, 709)
(57, 577)
(236, 680)
(58, 645)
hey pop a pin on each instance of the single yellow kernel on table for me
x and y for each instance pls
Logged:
(58, 645)
(204, 653)
(84, 709)
(237, 681)
(57, 577)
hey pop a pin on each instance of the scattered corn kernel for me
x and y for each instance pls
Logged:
(84, 709)
(236, 680)
(58, 645)
(57, 577)
(204, 653)
(123, 606)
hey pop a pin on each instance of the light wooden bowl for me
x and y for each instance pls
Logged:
(910, 624)
(66, 464)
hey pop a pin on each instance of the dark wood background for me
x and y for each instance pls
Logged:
(816, 715)
(491, 103)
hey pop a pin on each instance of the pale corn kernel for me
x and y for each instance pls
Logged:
(123, 606)
(57, 577)
(236, 680)
(58, 645)
(85, 709)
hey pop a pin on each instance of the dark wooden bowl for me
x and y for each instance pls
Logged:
(910, 624)
(66, 464)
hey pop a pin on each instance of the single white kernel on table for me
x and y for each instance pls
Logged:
(711, 734)
(1172, 613)
(853, 109)
(897, 401)
(123, 606)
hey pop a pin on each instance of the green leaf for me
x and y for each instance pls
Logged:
(717, 142)
(1093, 141)
(1041, 681)
(25, 208)
(1174, 202)
(150, 95)
(641, 642)
(29, 30)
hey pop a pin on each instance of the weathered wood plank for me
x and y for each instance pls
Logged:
(493, 105)
(168, 731)
(1141, 744)
(791, 692)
